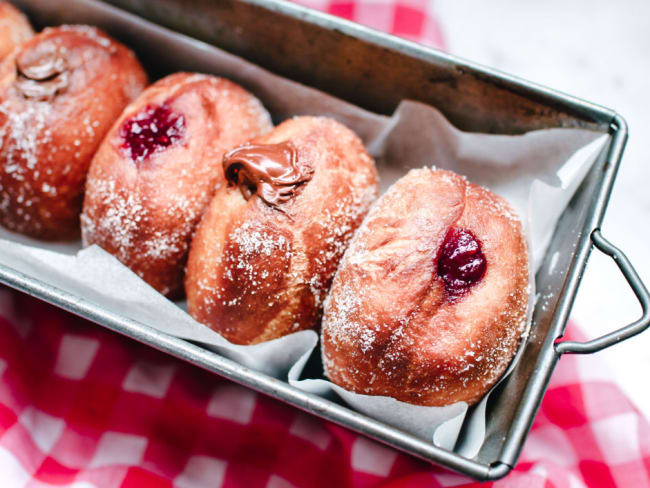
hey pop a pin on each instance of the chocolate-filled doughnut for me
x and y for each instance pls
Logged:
(68, 85)
(159, 166)
(265, 252)
(14, 29)
(430, 301)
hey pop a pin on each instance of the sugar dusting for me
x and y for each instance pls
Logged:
(253, 241)
(22, 135)
(353, 335)
(41, 157)
(126, 219)
(318, 225)
(148, 229)
(121, 219)
(337, 227)
(247, 242)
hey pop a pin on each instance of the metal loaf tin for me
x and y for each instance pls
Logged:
(376, 71)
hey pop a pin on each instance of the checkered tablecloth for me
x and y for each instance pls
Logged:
(83, 407)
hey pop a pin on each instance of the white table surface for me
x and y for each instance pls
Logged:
(600, 51)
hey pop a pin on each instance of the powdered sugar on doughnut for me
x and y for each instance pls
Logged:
(51, 125)
(389, 327)
(121, 220)
(144, 206)
(22, 135)
(258, 288)
(253, 241)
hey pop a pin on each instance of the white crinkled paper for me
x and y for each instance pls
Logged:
(537, 172)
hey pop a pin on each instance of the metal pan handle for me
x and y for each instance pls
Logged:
(639, 290)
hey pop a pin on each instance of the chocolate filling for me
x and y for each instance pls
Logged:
(270, 171)
(42, 75)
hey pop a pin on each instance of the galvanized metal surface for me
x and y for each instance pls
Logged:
(369, 68)
(639, 289)
(287, 39)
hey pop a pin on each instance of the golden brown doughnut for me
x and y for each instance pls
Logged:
(14, 29)
(265, 252)
(149, 184)
(429, 303)
(68, 86)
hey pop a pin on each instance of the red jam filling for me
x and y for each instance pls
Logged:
(461, 263)
(150, 130)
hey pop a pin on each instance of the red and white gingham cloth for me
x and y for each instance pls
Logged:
(83, 407)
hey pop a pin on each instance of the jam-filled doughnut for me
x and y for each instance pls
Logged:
(265, 252)
(430, 301)
(14, 29)
(159, 166)
(68, 85)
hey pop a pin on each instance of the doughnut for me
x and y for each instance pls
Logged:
(158, 167)
(67, 87)
(14, 29)
(430, 300)
(266, 250)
